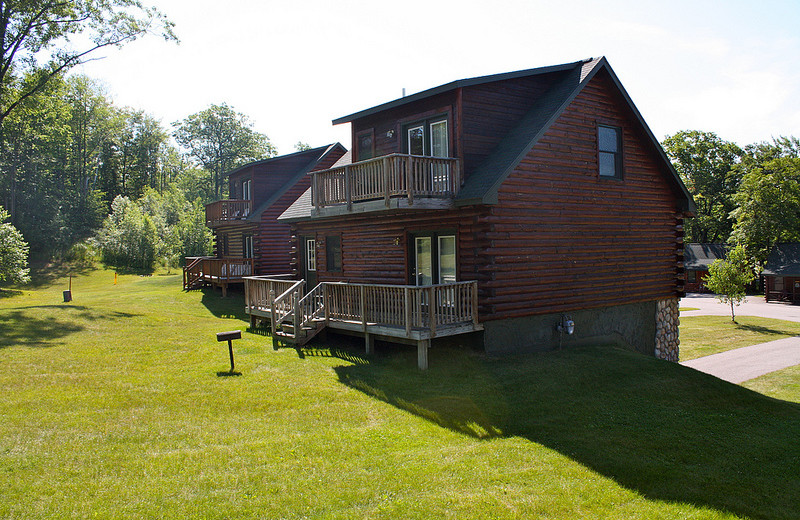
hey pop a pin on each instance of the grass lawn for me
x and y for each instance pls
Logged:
(112, 408)
(706, 335)
(783, 384)
(689, 309)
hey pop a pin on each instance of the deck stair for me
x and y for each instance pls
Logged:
(303, 317)
(193, 274)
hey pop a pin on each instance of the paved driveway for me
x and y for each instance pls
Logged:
(745, 363)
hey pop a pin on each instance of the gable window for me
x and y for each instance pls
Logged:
(333, 252)
(427, 137)
(246, 193)
(609, 146)
(311, 254)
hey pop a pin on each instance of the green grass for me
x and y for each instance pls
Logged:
(689, 309)
(782, 384)
(706, 335)
(112, 408)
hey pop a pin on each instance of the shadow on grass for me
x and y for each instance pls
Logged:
(8, 293)
(19, 326)
(664, 430)
(230, 307)
(46, 274)
(759, 329)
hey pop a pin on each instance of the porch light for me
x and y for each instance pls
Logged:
(390, 134)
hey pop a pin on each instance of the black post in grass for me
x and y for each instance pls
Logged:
(229, 336)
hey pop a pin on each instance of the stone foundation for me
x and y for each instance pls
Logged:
(667, 321)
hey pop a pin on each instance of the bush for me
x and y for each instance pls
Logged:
(13, 253)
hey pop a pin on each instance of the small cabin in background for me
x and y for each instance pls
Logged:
(697, 258)
(248, 238)
(782, 273)
(519, 211)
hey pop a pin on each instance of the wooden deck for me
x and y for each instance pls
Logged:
(404, 313)
(224, 211)
(203, 271)
(394, 176)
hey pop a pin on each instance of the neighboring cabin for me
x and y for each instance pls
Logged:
(248, 239)
(697, 258)
(782, 273)
(511, 203)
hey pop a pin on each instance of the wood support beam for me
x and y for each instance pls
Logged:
(422, 353)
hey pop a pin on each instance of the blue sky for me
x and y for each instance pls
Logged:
(731, 67)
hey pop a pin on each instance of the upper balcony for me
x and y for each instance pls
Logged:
(388, 182)
(226, 211)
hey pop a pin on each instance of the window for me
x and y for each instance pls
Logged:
(222, 245)
(333, 252)
(427, 138)
(691, 276)
(246, 189)
(434, 259)
(248, 246)
(311, 254)
(779, 283)
(365, 147)
(609, 145)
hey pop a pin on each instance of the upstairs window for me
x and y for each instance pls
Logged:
(428, 137)
(246, 193)
(609, 145)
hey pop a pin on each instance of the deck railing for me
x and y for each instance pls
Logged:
(387, 177)
(222, 269)
(193, 271)
(405, 307)
(227, 210)
(261, 291)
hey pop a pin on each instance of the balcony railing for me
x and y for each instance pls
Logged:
(388, 177)
(224, 211)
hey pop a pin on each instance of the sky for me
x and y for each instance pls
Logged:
(729, 67)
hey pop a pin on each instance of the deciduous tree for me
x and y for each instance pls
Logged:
(13, 252)
(729, 277)
(220, 139)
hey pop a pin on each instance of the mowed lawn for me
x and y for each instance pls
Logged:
(112, 407)
(705, 335)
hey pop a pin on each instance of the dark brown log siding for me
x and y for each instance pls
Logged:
(562, 238)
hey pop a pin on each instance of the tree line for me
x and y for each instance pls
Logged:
(746, 196)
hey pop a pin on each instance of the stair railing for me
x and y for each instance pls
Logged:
(284, 307)
(311, 306)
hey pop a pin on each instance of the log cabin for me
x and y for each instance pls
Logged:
(782, 273)
(522, 211)
(697, 258)
(248, 238)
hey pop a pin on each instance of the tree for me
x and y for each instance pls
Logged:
(768, 200)
(37, 39)
(706, 165)
(220, 139)
(300, 146)
(728, 278)
(13, 253)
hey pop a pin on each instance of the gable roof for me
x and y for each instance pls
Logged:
(699, 256)
(300, 163)
(783, 260)
(481, 185)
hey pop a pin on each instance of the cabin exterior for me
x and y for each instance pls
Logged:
(697, 258)
(782, 274)
(248, 238)
(543, 191)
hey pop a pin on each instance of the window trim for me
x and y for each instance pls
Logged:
(617, 155)
(332, 253)
(311, 254)
(247, 189)
(427, 135)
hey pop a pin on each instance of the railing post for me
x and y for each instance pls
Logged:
(347, 188)
(410, 179)
(407, 302)
(272, 312)
(247, 294)
(363, 308)
(325, 299)
(432, 311)
(475, 303)
(386, 179)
